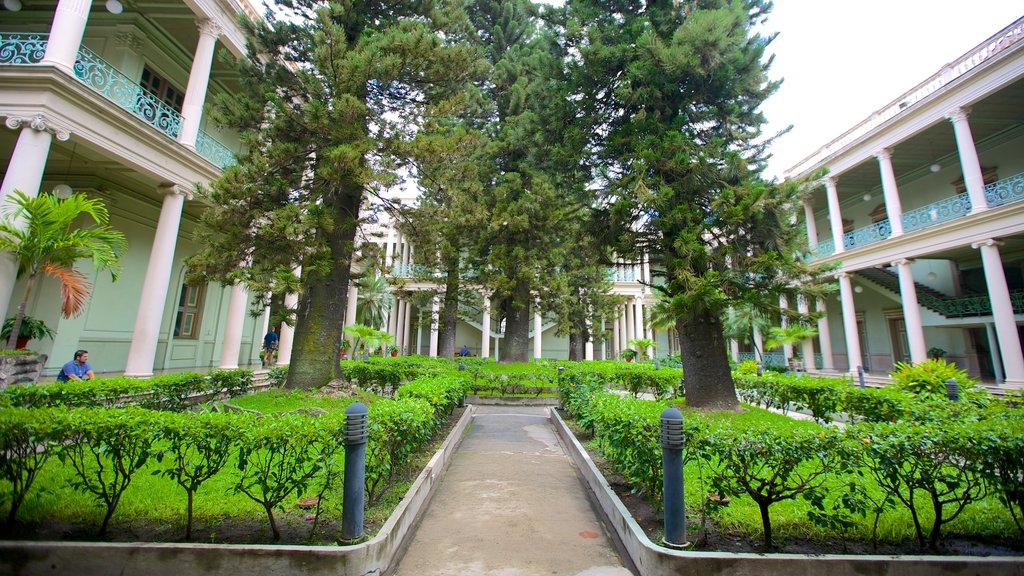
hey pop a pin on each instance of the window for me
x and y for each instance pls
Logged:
(164, 91)
(186, 322)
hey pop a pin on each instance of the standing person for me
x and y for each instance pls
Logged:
(269, 347)
(76, 369)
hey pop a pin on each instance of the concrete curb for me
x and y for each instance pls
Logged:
(653, 560)
(376, 556)
(483, 400)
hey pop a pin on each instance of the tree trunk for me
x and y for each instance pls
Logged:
(321, 311)
(517, 326)
(707, 380)
(449, 314)
(575, 347)
(188, 518)
(766, 523)
(12, 340)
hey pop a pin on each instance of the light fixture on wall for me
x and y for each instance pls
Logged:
(13, 5)
(63, 190)
(114, 6)
(858, 289)
(935, 167)
(867, 197)
(932, 276)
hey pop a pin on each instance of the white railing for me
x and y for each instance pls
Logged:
(1004, 39)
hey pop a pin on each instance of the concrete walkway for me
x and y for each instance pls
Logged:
(511, 504)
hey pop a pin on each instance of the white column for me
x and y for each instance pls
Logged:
(835, 217)
(198, 81)
(630, 324)
(812, 226)
(850, 323)
(485, 330)
(266, 320)
(433, 327)
(66, 33)
(638, 319)
(973, 179)
(759, 345)
(406, 324)
(588, 346)
(287, 336)
(142, 351)
(616, 338)
(232, 342)
(351, 301)
(787, 349)
(893, 207)
(24, 173)
(734, 349)
(646, 270)
(993, 351)
(825, 338)
(387, 250)
(400, 311)
(911, 312)
(1002, 313)
(392, 326)
(538, 328)
(807, 346)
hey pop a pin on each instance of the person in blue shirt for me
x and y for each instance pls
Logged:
(269, 347)
(77, 369)
(464, 351)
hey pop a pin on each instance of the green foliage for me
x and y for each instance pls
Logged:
(397, 427)
(821, 396)
(367, 339)
(747, 367)
(276, 376)
(232, 382)
(106, 448)
(27, 440)
(928, 378)
(31, 328)
(443, 393)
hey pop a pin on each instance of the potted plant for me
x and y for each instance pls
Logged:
(393, 350)
(31, 329)
(936, 353)
(628, 354)
(642, 346)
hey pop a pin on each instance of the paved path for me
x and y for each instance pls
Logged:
(510, 504)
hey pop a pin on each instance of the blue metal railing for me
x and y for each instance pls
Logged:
(105, 79)
(867, 235)
(824, 248)
(1005, 191)
(937, 212)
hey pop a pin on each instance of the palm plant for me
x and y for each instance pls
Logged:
(739, 323)
(367, 338)
(645, 346)
(374, 301)
(41, 234)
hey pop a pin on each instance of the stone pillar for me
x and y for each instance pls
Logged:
(149, 318)
(393, 319)
(734, 349)
(787, 349)
(400, 311)
(807, 346)
(1002, 313)
(351, 301)
(66, 33)
(646, 271)
(812, 226)
(759, 345)
(911, 312)
(538, 329)
(835, 216)
(850, 322)
(623, 328)
(993, 351)
(433, 327)
(893, 207)
(825, 338)
(198, 81)
(630, 324)
(485, 330)
(232, 342)
(406, 322)
(969, 163)
(588, 346)
(616, 343)
(266, 320)
(387, 250)
(287, 336)
(24, 173)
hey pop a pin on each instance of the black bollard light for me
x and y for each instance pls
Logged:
(952, 390)
(759, 369)
(657, 365)
(860, 375)
(672, 442)
(462, 366)
(356, 431)
(561, 370)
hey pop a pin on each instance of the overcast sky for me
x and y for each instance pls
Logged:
(843, 60)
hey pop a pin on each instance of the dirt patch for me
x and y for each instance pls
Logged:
(706, 535)
(295, 522)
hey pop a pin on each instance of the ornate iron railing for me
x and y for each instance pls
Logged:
(1005, 191)
(819, 362)
(824, 248)
(867, 235)
(218, 154)
(744, 356)
(617, 274)
(18, 48)
(773, 359)
(99, 75)
(937, 212)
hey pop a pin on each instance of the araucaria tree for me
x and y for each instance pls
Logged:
(328, 93)
(676, 87)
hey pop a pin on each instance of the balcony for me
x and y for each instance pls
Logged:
(999, 193)
(108, 81)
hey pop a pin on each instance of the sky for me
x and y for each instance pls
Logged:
(841, 60)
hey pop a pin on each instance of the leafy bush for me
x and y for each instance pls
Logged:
(276, 376)
(232, 382)
(27, 440)
(928, 378)
(397, 427)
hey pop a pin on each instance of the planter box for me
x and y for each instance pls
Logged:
(21, 369)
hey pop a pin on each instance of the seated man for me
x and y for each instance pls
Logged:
(464, 351)
(77, 369)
